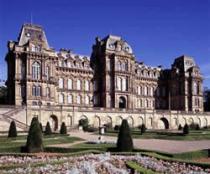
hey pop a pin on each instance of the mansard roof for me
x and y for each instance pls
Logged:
(184, 63)
(33, 33)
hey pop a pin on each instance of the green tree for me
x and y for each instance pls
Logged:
(143, 129)
(186, 129)
(125, 141)
(84, 123)
(3, 94)
(34, 142)
(12, 130)
(180, 127)
(41, 127)
(48, 130)
(63, 129)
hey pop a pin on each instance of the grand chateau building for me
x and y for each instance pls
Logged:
(106, 87)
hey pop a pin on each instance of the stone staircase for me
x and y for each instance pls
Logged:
(10, 116)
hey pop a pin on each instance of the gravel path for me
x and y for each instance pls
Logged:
(170, 146)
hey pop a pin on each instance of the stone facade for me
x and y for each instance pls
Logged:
(111, 83)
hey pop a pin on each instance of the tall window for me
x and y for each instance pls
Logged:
(47, 72)
(70, 84)
(48, 92)
(60, 83)
(70, 98)
(61, 98)
(78, 99)
(124, 85)
(36, 70)
(78, 85)
(87, 85)
(36, 90)
(87, 100)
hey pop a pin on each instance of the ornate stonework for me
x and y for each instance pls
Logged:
(110, 80)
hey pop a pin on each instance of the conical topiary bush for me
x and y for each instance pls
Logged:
(12, 130)
(125, 141)
(63, 129)
(34, 142)
(48, 130)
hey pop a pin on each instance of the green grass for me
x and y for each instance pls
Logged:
(134, 166)
(11, 145)
(193, 135)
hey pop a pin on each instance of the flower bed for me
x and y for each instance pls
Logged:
(92, 164)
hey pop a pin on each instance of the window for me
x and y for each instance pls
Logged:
(61, 98)
(60, 83)
(78, 99)
(87, 85)
(36, 70)
(87, 100)
(95, 86)
(47, 72)
(70, 84)
(78, 85)
(36, 90)
(124, 84)
(70, 98)
(48, 92)
(145, 90)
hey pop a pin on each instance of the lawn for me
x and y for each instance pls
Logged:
(13, 144)
(193, 135)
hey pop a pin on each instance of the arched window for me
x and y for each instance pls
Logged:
(87, 100)
(78, 99)
(87, 85)
(78, 85)
(61, 98)
(60, 83)
(70, 84)
(36, 70)
(47, 72)
(48, 92)
(70, 98)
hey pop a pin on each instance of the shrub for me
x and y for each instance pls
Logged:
(48, 130)
(41, 127)
(143, 129)
(124, 142)
(34, 142)
(186, 129)
(12, 130)
(63, 129)
(180, 127)
(117, 128)
(194, 126)
(91, 129)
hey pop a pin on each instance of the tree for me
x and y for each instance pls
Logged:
(34, 142)
(48, 130)
(63, 129)
(186, 129)
(180, 127)
(41, 127)
(12, 130)
(143, 129)
(3, 94)
(124, 142)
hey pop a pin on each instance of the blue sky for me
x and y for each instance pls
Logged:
(157, 30)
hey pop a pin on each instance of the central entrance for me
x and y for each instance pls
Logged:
(165, 123)
(54, 122)
(122, 102)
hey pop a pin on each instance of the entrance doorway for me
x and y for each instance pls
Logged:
(54, 122)
(165, 123)
(122, 102)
